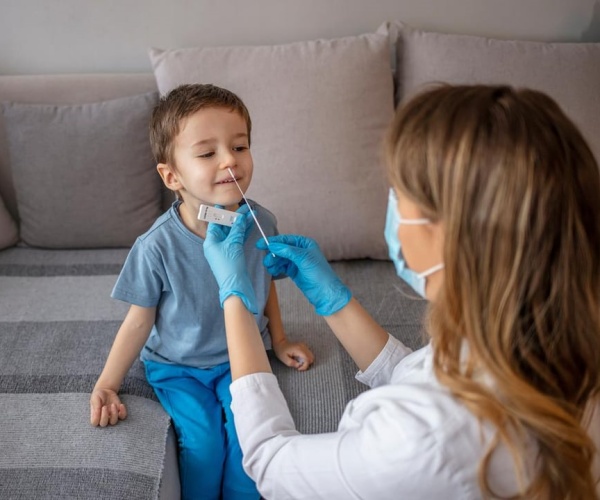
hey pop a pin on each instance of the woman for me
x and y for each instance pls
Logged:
(498, 219)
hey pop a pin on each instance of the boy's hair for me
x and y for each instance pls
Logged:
(182, 102)
(516, 189)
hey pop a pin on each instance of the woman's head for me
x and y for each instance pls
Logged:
(516, 189)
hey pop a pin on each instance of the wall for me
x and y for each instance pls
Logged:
(63, 36)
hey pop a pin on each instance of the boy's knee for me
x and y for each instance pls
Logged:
(211, 443)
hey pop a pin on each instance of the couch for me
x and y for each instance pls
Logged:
(78, 184)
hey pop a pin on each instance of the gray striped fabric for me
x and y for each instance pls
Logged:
(57, 323)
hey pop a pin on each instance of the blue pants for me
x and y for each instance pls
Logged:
(198, 401)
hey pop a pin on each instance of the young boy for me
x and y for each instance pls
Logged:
(197, 133)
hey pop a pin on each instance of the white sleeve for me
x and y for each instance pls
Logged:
(283, 462)
(385, 446)
(379, 372)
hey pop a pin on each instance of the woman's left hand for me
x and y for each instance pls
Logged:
(224, 251)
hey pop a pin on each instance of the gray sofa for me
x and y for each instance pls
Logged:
(77, 185)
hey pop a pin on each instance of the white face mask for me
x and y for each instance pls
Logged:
(417, 281)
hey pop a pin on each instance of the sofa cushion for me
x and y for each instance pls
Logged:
(61, 89)
(319, 109)
(9, 234)
(83, 174)
(568, 72)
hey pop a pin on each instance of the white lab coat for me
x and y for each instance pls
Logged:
(406, 438)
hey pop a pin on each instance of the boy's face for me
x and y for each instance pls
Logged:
(210, 141)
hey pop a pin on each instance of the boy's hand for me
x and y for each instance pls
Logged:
(106, 408)
(294, 354)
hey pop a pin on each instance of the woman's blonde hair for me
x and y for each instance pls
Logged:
(517, 192)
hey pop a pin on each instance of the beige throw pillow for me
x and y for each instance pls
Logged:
(319, 110)
(568, 72)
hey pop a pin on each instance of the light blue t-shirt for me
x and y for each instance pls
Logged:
(166, 269)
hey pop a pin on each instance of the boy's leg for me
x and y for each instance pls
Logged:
(237, 485)
(198, 420)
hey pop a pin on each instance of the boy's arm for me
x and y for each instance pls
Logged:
(273, 313)
(295, 354)
(106, 406)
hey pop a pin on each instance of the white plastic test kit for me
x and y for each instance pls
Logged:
(218, 215)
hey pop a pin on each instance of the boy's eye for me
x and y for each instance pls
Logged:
(240, 148)
(206, 155)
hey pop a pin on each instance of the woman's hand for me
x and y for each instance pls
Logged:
(301, 259)
(294, 354)
(224, 251)
(106, 407)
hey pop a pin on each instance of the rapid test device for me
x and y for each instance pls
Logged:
(218, 215)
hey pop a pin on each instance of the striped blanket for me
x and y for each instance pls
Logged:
(57, 323)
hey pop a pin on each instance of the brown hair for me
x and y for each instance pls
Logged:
(517, 192)
(182, 102)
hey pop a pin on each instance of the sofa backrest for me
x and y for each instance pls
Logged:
(319, 111)
(320, 108)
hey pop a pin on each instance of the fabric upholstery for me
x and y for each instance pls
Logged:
(83, 174)
(568, 72)
(61, 89)
(9, 233)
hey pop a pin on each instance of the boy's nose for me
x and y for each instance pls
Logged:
(227, 160)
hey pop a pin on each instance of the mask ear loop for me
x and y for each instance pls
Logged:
(424, 274)
(431, 270)
(413, 222)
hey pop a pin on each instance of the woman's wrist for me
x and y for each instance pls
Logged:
(245, 345)
(244, 293)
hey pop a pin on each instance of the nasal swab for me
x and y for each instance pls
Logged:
(251, 211)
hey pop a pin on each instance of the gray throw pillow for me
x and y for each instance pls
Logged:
(9, 234)
(84, 174)
(319, 111)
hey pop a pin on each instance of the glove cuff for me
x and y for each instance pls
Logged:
(244, 291)
(342, 296)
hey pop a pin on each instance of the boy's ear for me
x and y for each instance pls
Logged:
(168, 177)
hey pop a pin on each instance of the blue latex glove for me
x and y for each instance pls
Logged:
(224, 251)
(301, 259)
